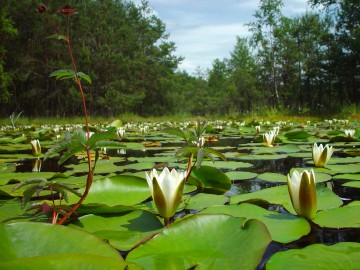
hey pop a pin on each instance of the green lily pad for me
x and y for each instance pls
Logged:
(211, 179)
(121, 231)
(262, 157)
(232, 165)
(347, 160)
(57, 247)
(134, 146)
(138, 166)
(187, 244)
(19, 177)
(348, 176)
(279, 195)
(154, 160)
(344, 217)
(340, 256)
(202, 200)
(352, 184)
(10, 211)
(240, 175)
(344, 168)
(272, 177)
(297, 135)
(102, 166)
(283, 228)
(287, 148)
(116, 190)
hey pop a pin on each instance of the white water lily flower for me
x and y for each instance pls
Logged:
(120, 132)
(166, 190)
(257, 128)
(269, 138)
(349, 133)
(36, 148)
(302, 190)
(321, 154)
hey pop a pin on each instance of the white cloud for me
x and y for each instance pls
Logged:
(201, 45)
(204, 30)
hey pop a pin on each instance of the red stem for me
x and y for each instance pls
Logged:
(77, 77)
(87, 188)
(54, 209)
(90, 171)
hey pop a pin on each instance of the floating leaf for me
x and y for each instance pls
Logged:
(279, 195)
(344, 168)
(283, 228)
(352, 184)
(272, 177)
(187, 244)
(297, 135)
(347, 176)
(340, 256)
(117, 190)
(232, 165)
(121, 231)
(202, 200)
(344, 217)
(57, 247)
(211, 179)
(239, 175)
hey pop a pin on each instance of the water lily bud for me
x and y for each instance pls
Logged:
(166, 190)
(302, 190)
(269, 138)
(321, 155)
(121, 132)
(349, 133)
(36, 148)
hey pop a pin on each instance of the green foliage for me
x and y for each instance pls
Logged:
(288, 65)
(35, 185)
(194, 139)
(64, 74)
(78, 141)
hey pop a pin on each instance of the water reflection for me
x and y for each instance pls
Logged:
(36, 163)
(39, 165)
(247, 186)
(281, 166)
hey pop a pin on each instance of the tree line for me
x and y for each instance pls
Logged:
(305, 64)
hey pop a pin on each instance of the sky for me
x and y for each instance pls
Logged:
(205, 30)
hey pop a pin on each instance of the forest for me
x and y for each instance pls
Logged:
(305, 65)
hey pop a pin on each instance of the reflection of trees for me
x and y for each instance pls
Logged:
(282, 166)
(248, 186)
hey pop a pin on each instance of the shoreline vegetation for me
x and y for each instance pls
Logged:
(126, 118)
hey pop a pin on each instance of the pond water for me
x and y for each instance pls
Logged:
(241, 150)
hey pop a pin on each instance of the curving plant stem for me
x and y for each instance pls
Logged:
(54, 214)
(89, 178)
